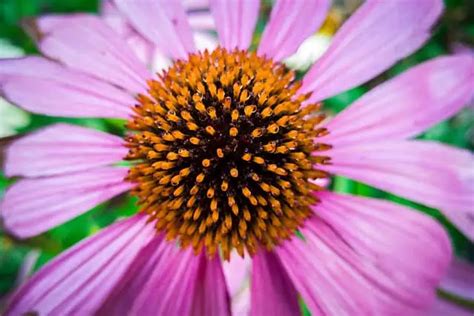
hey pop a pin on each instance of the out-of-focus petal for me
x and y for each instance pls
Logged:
(375, 37)
(291, 22)
(272, 291)
(8, 50)
(32, 206)
(445, 308)
(357, 258)
(237, 272)
(309, 51)
(79, 280)
(87, 44)
(196, 4)
(459, 280)
(201, 21)
(42, 86)
(167, 280)
(27, 266)
(162, 22)
(12, 118)
(431, 173)
(235, 21)
(142, 47)
(408, 104)
(62, 148)
(205, 40)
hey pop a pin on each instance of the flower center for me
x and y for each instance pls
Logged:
(222, 152)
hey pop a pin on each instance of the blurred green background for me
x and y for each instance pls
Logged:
(18, 257)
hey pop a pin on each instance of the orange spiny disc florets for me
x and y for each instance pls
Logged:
(222, 152)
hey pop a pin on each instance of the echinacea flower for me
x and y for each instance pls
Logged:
(223, 149)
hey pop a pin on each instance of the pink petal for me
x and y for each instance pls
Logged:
(142, 48)
(408, 104)
(138, 274)
(196, 4)
(87, 44)
(201, 21)
(62, 148)
(162, 22)
(42, 86)
(210, 294)
(376, 36)
(79, 280)
(358, 258)
(32, 206)
(431, 173)
(459, 280)
(235, 21)
(272, 291)
(167, 280)
(291, 22)
(445, 308)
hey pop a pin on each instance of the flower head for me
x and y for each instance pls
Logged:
(223, 149)
(225, 152)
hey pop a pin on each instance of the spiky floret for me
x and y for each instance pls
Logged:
(223, 152)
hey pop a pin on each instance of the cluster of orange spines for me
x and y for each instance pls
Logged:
(223, 152)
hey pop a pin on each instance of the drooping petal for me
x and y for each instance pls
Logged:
(408, 104)
(162, 22)
(272, 291)
(357, 258)
(459, 280)
(86, 43)
(78, 281)
(431, 173)
(235, 21)
(167, 280)
(42, 86)
(32, 206)
(62, 148)
(375, 37)
(291, 22)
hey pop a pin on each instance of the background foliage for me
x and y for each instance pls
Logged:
(456, 26)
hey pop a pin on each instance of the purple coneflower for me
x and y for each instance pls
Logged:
(223, 149)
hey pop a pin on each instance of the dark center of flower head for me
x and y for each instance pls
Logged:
(223, 152)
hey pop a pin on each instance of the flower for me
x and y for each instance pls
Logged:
(224, 147)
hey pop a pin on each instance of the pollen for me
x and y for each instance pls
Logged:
(223, 152)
